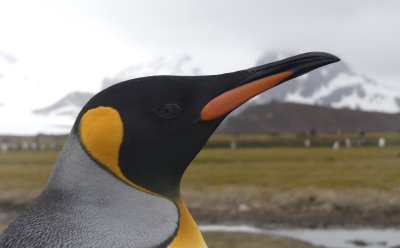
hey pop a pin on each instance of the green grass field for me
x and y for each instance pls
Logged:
(25, 171)
(278, 182)
(294, 168)
(278, 168)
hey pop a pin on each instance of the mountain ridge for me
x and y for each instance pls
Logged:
(337, 86)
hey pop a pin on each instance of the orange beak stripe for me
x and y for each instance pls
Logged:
(230, 100)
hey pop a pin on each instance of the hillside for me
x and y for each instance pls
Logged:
(280, 117)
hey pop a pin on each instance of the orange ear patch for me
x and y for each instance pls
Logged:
(101, 133)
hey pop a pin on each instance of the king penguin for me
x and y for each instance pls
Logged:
(117, 180)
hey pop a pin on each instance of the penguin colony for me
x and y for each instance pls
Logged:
(117, 180)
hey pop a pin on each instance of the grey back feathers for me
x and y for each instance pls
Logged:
(85, 206)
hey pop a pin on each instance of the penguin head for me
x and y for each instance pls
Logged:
(146, 131)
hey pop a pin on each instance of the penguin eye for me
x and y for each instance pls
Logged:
(169, 110)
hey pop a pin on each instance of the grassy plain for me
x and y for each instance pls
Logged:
(295, 168)
(25, 171)
(273, 168)
(260, 186)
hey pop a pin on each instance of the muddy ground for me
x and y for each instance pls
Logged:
(308, 207)
(271, 208)
(11, 206)
(299, 208)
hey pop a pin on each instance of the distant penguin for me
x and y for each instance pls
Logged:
(117, 180)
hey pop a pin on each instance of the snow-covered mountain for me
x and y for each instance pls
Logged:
(337, 86)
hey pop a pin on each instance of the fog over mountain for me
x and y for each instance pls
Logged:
(70, 105)
(8, 57)
(336, 86)
(161, 66)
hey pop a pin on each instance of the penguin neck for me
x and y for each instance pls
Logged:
(76, 174)
(188, 234)
(87, 201)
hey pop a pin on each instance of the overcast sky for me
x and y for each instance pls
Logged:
(74, 44)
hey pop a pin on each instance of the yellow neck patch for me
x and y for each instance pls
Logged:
(188, 233)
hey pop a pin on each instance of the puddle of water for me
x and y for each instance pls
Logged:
(371, 238)
(332, 238)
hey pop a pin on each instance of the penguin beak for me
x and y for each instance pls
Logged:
(262, 78)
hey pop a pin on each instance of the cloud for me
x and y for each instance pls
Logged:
(362, 32)
(220, 35)
(9, 58)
